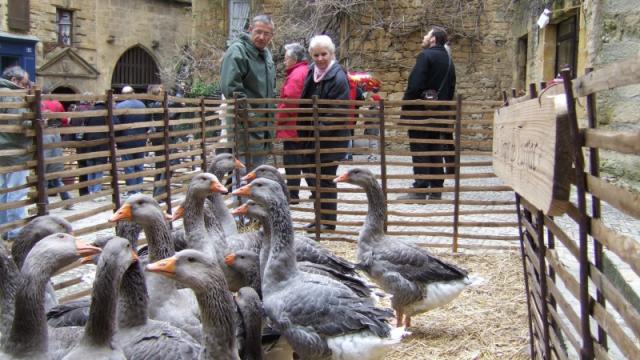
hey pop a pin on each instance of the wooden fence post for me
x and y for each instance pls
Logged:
(167, 142)
(246, 136)
(383, 158)
(115, 187)
(586, 351)
(316, 136)
(203, 135)
(457, 168)
(39, 125)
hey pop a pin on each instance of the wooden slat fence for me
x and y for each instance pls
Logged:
(476, 210)
(579, 267)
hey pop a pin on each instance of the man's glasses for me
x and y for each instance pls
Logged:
(267, 34)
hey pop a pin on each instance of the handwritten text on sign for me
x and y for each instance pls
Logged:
(531, 152)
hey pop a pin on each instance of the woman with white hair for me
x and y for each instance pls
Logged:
(328, 80)
(297, 68)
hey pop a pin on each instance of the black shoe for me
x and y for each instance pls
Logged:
(311, 228)
(435, 196)
(412, 196)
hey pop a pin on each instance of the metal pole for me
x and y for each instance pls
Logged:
(39, 125)
(456, 191)
(526, 276)
(316, 136)
(115, 195)
(583, 220)
(167, 164)
(383, 157)
(543, 284)
(596, 213)
(203, 135)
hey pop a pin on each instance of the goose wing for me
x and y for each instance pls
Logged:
(415, 264)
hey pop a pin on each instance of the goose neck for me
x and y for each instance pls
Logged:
(374, 222)
(29, 329)
(218, 322)
(159, 238)
(134, 299)
(101, 324)
(281, 264)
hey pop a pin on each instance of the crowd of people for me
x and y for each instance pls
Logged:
(248, 71)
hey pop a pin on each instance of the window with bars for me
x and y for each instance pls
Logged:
(65, 27)
(238, 17)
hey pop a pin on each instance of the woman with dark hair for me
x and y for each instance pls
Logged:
(328, 80)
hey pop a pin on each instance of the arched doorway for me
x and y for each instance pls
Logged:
(135, 68)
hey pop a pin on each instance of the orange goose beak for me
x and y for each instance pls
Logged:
(85, 250)
(166, 267)
(239, 164)
(250, 176)
(178, 214)
(240, 210)
(87, 260)
(229, 259)
(342, 178)
(217, 187)
(124, 213)
(243, 191)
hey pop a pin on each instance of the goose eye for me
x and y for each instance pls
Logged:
(191, 259)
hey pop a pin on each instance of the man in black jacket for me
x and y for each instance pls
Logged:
(433, 77)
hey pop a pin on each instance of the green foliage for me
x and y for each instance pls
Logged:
(201, 88)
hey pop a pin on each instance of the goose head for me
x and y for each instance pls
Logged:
(264, 171)
(263, 191)
(56, 251)
(357, 176)
(251, 209)
(204, 184)
(139, 208)
(190, 267)
(115, 250)
(243, 261)
(224, 163)
(36, 230)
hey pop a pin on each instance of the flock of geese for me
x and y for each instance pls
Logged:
(206, 291)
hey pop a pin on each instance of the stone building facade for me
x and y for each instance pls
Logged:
(603, 32)
(79, 43)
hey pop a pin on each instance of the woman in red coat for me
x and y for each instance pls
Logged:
(296, 69)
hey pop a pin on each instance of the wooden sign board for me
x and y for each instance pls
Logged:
(531, 151)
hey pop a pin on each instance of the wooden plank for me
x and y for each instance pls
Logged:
(626, 201)
(614, 297)
(620, 141)
(619, 73)
(625, 247)
(531, 152)
(626, 345)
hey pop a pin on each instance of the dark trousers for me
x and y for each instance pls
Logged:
(430, 159)
(293, 159)
(325, 183)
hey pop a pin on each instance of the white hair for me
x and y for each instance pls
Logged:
(127, 90)
(322, 42)
(295, 51)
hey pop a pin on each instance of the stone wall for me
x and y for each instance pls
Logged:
(102, 32)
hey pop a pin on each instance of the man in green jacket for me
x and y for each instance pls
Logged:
(248, 69)
(14, 78)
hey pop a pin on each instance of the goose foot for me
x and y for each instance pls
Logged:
(399, 317)
(407, 321)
